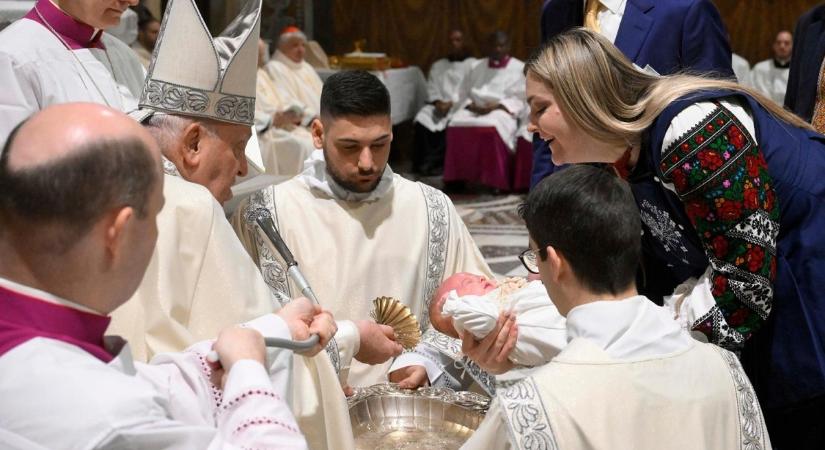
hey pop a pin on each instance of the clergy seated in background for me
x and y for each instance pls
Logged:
(770, 76)
(285, 142)
(481, 135)
(630, 376)
(443, 84)
(58, 55)
(358, 230)
(294, 75)
(148, 29)
(81, 185)
(200, 278)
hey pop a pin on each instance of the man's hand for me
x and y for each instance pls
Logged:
(442, 108)
(492, 352)
(410, 377)
(481, 110)
(303, 318)
(377, 342)
(234, 344)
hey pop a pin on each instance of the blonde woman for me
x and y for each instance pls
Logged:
(730, 189)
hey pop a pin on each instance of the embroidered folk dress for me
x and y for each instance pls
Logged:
(629, 378)
(201, 280)
(399, 241)
(731, 201)
(65, 385)
(37, 69)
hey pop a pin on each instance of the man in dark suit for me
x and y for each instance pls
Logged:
(667, 35)
(806, 64)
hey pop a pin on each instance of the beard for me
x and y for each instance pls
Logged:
(349, 185)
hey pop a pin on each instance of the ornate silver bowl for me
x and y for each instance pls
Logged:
(387, 417)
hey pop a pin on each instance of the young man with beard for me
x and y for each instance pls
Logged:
(358, 230)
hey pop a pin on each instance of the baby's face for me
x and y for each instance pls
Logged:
(464, 284)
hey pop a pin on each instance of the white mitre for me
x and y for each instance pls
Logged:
(194, 74)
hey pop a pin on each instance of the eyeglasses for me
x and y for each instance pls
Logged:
(529, 258)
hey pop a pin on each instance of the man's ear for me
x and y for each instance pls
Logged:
(317, 129)
(557, 263)
(118, 222)
(191, 139)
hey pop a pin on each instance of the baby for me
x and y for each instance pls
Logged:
(472, 303)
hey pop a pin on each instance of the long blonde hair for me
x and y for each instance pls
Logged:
(601, 91)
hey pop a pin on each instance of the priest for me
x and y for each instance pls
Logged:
(630, 376)
(293, 74)
(358, 230)
(285, 141)
(481, 135)
(200, 279)
(443, 84)
(81, 186)
(59, 53)
(770, 76)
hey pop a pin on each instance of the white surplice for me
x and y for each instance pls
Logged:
(400, 241)
(37, 70)
(770, 80)
(630, 377)
(485, 86)
(199, 281)
(57, 395)
(299, 80)
(443, 85)
(741, 68)
(283, 151)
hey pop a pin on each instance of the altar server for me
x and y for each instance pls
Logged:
(770, 76)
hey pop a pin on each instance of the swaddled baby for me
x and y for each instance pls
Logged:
(467, 302)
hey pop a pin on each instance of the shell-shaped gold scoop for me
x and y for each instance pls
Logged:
(391, 312)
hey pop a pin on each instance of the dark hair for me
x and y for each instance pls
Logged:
(354, 93)
(71, 193)
(589, 216)
(145, 17)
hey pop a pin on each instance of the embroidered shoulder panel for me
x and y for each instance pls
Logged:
(438, 224)
(753, 435)
(527, 419)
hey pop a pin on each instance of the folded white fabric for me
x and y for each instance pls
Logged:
(541, 329)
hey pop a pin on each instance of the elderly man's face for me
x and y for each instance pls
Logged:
(294, 49)
(97, 13)
(223, 158)
(356, 149)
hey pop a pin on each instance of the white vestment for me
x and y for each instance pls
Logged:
(486, 86)
(144, 55)
(631, 378)
(400, 241)
(37, 70)
(741, 68)
(300, 81)
(199, 281)
(58, 395)
(770, 80)
(283, 152)
(442, 85)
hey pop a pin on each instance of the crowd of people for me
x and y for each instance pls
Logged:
(673, 221)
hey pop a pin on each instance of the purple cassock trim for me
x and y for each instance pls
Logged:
(23, 317)
(75, 33)
(494, 63)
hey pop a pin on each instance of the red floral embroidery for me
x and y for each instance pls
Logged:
(751, 198)
(710, 160)
(738, 317)
(753, 166)
(679, 180)
(735, 137)
(720, 285)
(720, 246)
(755, 258)
(730, 210)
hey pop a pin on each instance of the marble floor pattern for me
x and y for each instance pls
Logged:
(499, 232)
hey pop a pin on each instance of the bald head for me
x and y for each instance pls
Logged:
(70, 164)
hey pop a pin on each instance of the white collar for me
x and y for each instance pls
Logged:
(615, 6)
(315, 175)
(631, 328)
(45, 296)
(169, 168)
(289, 63)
